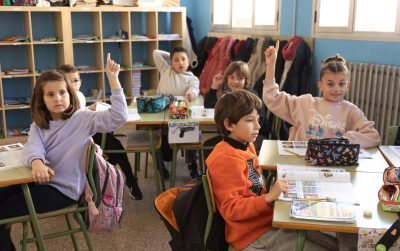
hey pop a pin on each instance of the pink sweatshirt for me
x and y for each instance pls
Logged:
(314, 118)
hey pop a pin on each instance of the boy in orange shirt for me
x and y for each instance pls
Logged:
(237, 181)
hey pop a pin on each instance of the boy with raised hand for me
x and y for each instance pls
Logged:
(176, 80)
(238, 184)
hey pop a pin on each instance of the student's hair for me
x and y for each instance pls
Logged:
(40, 114)
(233, 106)
(176, 50)
(242, 70)
(68, 68)
(334, 64)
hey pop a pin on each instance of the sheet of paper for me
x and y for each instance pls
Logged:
(396, 150)
(11, 156)
(364, 154)
(292, 147)
(316, 182)
(198, 111)
(101, 106)
(133, 114)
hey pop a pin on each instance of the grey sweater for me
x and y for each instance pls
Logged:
(63, 147)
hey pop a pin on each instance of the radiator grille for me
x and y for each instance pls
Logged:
(375, 89)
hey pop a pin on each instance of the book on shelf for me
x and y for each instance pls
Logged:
(323, 210)
(316, 183)
(11, 156)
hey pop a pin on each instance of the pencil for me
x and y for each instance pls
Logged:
(294, 153)
(318, 199)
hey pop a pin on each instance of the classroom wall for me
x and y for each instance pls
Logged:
(352, 50)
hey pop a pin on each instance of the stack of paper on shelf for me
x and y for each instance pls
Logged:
(136, 83)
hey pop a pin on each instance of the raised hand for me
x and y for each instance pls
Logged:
(112, 71)
(217, 81)
(271, 53)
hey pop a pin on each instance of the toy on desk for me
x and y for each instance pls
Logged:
(179, 109)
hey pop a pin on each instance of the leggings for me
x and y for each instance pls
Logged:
(45, 198)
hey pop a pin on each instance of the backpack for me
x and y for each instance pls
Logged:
(184, 213)
(105, 214)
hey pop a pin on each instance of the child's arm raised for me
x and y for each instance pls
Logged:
(283, 105)
(112, 71)
(160, 59)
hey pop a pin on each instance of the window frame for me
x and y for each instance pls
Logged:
(349, 31)
(255, 29)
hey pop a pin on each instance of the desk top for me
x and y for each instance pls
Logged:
(15, 176)
(162, 118)
(366, 186)
(269, 158)
(391, 158)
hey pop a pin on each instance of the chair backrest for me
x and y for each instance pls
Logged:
(89, 168)
(208, 192)
(391, 135)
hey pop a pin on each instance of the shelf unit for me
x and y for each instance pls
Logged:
(66, 23)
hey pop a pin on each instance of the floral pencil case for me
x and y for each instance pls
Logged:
(332, 151)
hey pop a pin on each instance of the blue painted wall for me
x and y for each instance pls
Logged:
(352, 50)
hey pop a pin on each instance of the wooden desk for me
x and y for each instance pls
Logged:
(366, 186)
(269, 158)
(22, 176)
(391, 158)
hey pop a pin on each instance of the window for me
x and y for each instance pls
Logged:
(357, 19)
(245, 15)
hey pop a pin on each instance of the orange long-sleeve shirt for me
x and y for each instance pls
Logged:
(234, 171)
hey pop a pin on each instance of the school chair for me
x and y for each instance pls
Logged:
(203, 150)
(185, 146)
(391, 135)
(146, 141)
(208, 192)
(76, 210)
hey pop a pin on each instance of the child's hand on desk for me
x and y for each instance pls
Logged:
(40, 172)
(280, 186)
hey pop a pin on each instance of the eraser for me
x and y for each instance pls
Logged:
(368, 213)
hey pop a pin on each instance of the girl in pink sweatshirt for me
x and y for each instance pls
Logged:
(313, 117)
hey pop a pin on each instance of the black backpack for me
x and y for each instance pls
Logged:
(184, 213)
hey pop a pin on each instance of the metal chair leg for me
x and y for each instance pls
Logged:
(72, 234)
(84, 230)
(145, 167)
(301, 239)
(173, 165)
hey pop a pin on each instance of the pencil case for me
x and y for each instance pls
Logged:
(154, 104)
(332, 151)
(389, 199)
(391, 175)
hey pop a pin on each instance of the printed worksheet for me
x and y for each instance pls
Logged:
(298, 148)
(11, 156)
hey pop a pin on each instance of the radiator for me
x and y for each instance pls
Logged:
(375, 89)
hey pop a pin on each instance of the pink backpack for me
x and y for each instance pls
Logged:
(104, 214)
